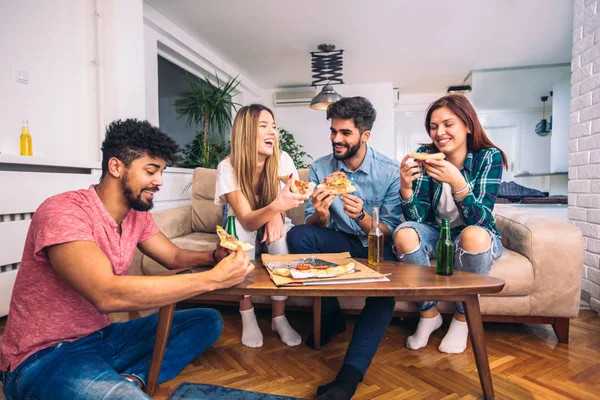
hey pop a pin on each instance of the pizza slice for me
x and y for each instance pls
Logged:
(309, 271)
(230, 242)
(427, 156)
(304, 189)
(337, 183)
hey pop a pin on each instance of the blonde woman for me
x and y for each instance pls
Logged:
(247, 182)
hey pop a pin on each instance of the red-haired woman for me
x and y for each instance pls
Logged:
(461, 188)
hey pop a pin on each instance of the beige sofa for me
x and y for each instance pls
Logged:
(541, 263)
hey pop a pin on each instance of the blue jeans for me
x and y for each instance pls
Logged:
(91, 367)
(375, 317)
(478, 263)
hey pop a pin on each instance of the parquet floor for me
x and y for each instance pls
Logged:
(526, 362)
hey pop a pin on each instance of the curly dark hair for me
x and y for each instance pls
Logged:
(131, 139)
(359, 109)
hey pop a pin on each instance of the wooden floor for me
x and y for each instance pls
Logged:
(526, 363)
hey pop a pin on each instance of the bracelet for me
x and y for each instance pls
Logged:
(214, 254)
(461, 190)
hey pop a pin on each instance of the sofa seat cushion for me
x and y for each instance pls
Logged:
(194, 241)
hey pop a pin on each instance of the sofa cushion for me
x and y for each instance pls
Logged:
(206, 215)
(194, 241)
(517, 273)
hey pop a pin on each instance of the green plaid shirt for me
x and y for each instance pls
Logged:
(483, 172)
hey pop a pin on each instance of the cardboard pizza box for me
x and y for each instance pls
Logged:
(361, 274)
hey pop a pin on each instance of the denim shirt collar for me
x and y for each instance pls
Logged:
(365, 166)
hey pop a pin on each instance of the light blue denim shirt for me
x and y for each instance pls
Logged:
(377, 183)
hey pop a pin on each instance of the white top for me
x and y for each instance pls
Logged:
(447, 208)
(227, 182)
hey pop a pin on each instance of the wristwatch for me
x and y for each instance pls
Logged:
(361, 216)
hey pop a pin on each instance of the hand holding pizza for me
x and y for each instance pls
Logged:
(444, 171)
(322, 199)
(221, 252)
(232, 269)
(409, 171)
(286, 200)
(352, 205)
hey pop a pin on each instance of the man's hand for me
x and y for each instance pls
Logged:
(232, 269)
(352, 205)
(274, 230)
(221, 252)
(321, 200)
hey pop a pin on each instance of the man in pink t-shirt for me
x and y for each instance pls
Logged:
(59, 342)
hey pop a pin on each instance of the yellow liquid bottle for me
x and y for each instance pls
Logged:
(375, 237)
(26, 142)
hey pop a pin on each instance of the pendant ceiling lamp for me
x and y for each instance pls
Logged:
(327, 71)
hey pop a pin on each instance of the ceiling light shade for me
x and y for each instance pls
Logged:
(327, 71)
(325, 98)
(461, 89)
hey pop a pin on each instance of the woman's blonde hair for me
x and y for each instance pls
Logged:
(244, 155)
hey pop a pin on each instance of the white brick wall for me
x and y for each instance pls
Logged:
(584, 143)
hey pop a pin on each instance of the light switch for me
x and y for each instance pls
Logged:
(22, 76)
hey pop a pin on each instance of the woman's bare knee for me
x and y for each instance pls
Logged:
(406, 240)
(475, 239)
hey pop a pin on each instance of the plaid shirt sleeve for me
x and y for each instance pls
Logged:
(418, 207)
(476, 207)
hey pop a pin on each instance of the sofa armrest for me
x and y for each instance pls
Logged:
(174, 222)
(555, 249)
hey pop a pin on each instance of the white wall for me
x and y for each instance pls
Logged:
(311, 128)
(54, 42)
(559, 160)
(161, 36)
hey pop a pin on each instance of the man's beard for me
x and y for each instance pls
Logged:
(137, 203)
(352, 150)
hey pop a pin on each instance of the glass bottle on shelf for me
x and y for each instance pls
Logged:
(25, 140)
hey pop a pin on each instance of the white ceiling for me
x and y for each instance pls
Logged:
(418, 45)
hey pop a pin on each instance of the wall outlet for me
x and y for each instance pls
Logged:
(22, 76)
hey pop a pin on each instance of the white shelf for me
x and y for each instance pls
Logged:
(34, 160)
(41, 161)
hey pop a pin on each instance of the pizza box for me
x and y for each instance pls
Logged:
(361, 274)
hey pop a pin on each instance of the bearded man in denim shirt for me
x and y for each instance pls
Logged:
(337, 224)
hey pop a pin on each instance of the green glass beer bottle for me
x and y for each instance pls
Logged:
(444, 262)
(231, 226)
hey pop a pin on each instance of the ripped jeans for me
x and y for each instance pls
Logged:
(479, 263)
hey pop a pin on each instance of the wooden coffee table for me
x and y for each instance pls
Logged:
(407, 283)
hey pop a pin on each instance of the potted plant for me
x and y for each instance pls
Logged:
(210, 106)
(287, 143)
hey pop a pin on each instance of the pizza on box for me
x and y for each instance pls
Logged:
(230, 242)
(311, 271)
(427, 156)
(337, 183)
(304, 189)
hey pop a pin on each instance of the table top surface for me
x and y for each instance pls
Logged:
(405, 280)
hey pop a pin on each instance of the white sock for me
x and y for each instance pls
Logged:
(287, 334)
(455, 340)
(426, 327)
(251, 334)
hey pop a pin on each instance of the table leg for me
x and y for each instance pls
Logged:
(165, 317)
(473, 315)
(317, 322)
